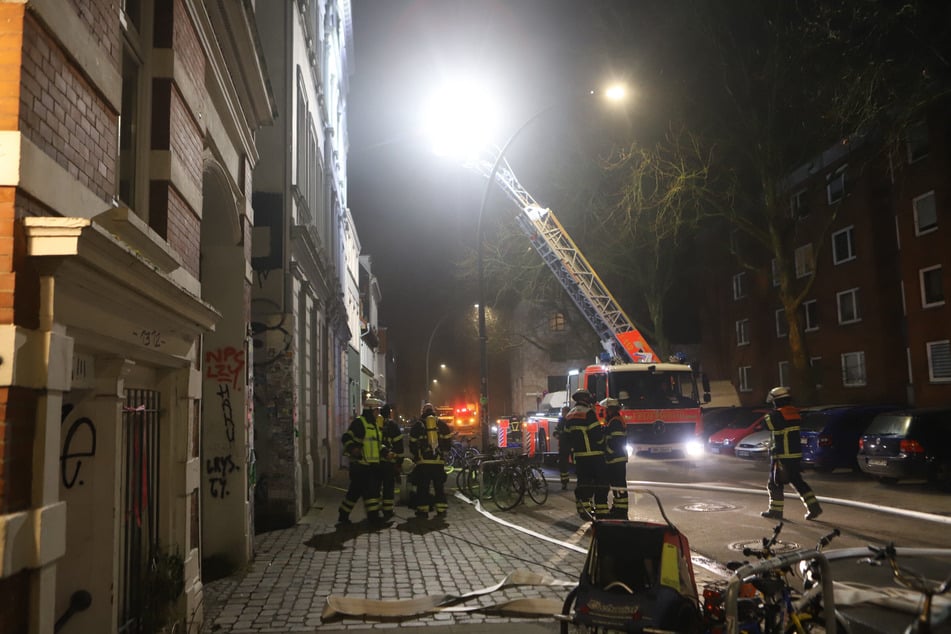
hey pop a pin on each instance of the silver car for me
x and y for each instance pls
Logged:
(755, 446)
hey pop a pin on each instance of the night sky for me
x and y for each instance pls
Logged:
(415, 212)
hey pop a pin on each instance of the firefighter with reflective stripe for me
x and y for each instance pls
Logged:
(586, 439)
(429, 440)
(362, 443)
(785, 454)
(392, 460)
(564, 451)
(615, 456)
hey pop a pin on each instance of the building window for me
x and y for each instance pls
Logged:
(810, 315)
(853, 369)
(556, 322)
(739, 286)
(774, 271)
(926, 215)
(743, 332)
(939, 361)
(132, 181)
(917, 142)
(805, 263)
(782, 326)
(932, 286)
(783, 373)
(835, 185)
(843, 245)
(848, 303)
(744, 375)
(798, 205)
(815, 366)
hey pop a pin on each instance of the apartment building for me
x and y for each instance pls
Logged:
(126, 158)
(873, 228)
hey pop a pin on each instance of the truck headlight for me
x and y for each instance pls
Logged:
(694, 448)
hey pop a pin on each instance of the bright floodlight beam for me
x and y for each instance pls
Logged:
(460, 119)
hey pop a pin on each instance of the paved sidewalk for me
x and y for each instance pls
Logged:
(295, 569)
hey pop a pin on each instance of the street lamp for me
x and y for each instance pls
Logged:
(426, 392)
(615, 93)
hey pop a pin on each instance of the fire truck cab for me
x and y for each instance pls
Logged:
(660, 405)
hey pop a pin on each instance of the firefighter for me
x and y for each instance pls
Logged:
(391, 463)
(785, 454)
(362, 444)
(429, 440)
(615, 456)
(586, 440)
(564, 451)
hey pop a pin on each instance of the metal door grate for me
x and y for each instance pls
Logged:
(139, 506)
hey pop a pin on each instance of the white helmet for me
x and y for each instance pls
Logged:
(608, 403)
(407, 466)
(778, 393)
(372, 403)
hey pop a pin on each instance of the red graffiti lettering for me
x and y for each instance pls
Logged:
(225, 365)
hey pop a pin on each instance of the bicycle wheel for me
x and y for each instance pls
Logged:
(509, 489)
(537, 486)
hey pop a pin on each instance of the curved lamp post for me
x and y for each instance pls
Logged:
(427, 391)
(614, 94)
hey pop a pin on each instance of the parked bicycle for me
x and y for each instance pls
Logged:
(928, 588)
(460, 453)
(517, 478)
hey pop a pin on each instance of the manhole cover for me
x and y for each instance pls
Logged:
(779, 547)
(707, 507)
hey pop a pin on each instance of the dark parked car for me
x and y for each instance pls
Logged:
(830, 437)
(910, 443)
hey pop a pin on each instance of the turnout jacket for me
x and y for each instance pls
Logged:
(615, 440)
(583, 432)
(784, 425)
(393, 445)
(429, 439)
(363, 441)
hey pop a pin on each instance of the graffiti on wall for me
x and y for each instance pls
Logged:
(225, 365)
(218, 469)
(82, 434)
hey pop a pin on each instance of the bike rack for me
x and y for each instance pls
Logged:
(749, 571)
(482, 466)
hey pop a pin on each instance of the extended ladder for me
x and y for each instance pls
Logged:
(618, 335)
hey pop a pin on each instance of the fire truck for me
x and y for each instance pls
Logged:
(660, 401)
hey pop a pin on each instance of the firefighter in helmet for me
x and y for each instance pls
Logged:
(615, 456)
(785, 454)
(391, 463)
(564, 451)
(586, 439)
(362, 443)
(429, 440)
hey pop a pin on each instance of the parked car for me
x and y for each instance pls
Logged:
(909, 443)
(755, 446)
(745, 422)
(830, 437)
(716, 418)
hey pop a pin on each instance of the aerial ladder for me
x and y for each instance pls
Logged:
(617, 333)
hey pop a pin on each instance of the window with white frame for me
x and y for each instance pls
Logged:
(916, 141)
(136, 20)
(745, 373)
(810, 315)
(782, 325)
(932, 286)
(805, 262)
(926, 214)
(743, 332)
(848, 305)
(815, 366)
(853, 369)
(783, 373)
(798, 205)
(939, 361)
(835, 185)
(739, 286)
(774, 271)
(843, 245)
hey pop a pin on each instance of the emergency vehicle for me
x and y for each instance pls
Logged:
(662, 406)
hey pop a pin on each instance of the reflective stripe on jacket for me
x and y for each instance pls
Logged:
(784, 425)
(364, 435)
(616, 440)
(584, 432)
(429, 439)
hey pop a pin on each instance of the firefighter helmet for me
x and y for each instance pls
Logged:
(622, 395)
(581, 396)
(371, 403)
(610, 403)
(428, 409)
(407, 466)
(778, 393)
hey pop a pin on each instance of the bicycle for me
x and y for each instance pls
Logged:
(914, 581)
(459, 454)
(517, 478)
